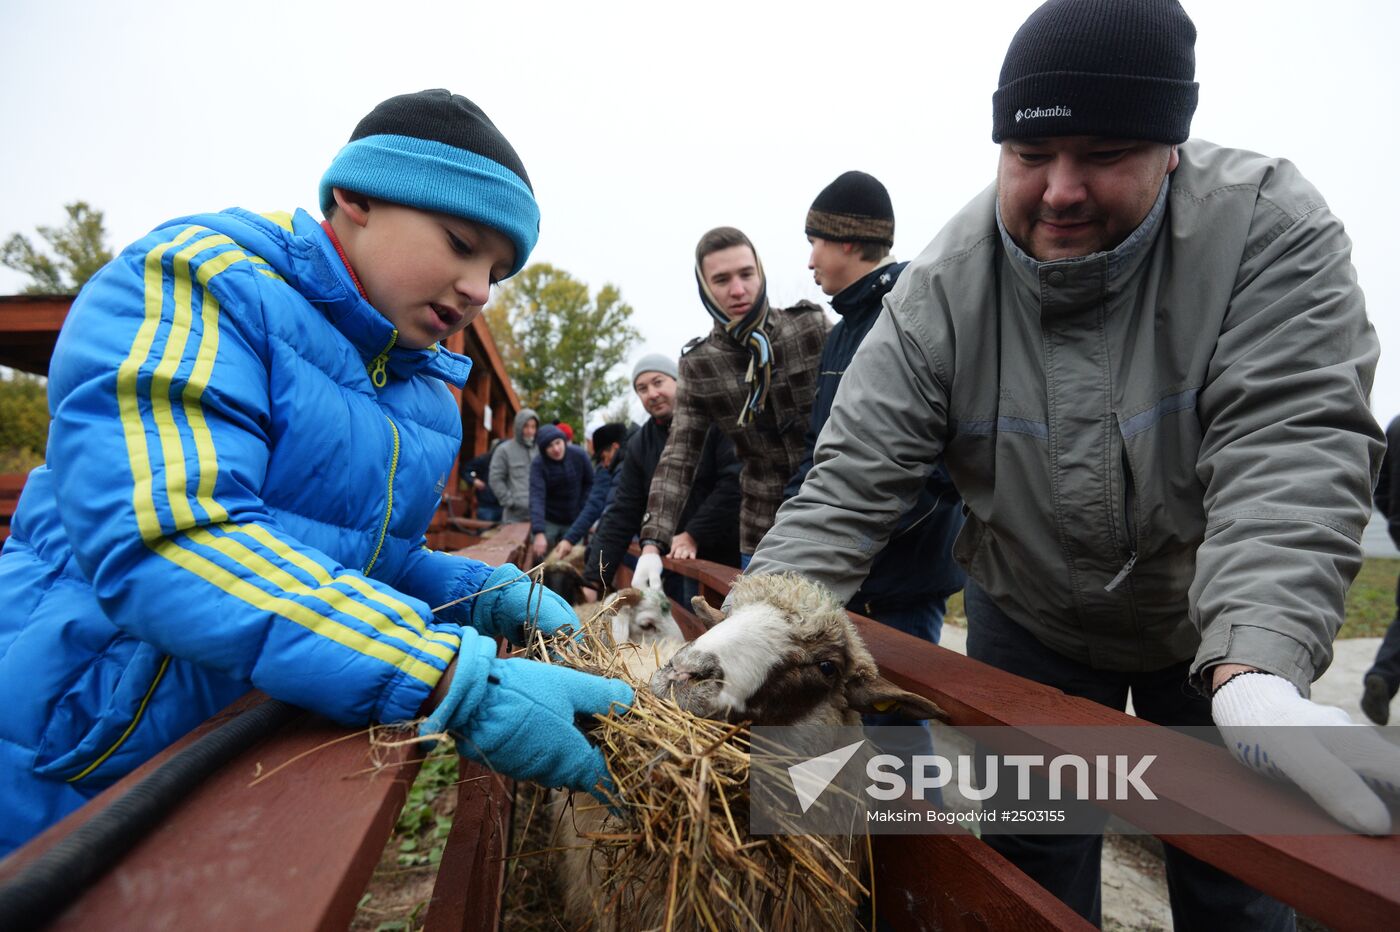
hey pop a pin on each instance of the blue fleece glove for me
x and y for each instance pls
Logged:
(509, 599)
(516, 716)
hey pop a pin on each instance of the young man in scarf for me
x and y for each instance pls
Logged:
(754, 377)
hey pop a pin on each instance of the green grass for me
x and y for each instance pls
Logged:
(1370, 603)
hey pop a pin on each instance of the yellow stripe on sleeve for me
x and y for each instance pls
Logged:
(128, 399)
(194, 411)
(339, 601)
(296, 612)
(316, 571)
(172, 449)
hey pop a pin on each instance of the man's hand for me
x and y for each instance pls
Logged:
(1340, 767)
(561, 550)
(683, 547)
(538, 547)
(647, 575)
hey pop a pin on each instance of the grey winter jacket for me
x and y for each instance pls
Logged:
(510, 471)
(1166, 450)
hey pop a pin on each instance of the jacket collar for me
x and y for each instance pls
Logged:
(869, 289)
(299, 250)
(1067, 285)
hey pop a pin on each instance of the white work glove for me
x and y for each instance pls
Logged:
(647, 575)
(1338, 766)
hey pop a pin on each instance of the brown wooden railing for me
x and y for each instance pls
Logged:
(296, 849)
(10, 486)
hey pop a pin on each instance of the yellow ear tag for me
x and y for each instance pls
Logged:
(884, 706)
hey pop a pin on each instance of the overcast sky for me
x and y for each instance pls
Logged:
(644, 124)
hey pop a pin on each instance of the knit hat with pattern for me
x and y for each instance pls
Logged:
(854, 208)
(1119, 68)
(435, 150)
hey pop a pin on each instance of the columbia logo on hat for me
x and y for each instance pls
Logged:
(1042, 112)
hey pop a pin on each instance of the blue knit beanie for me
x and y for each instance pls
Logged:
(547, 435)
(438, 151)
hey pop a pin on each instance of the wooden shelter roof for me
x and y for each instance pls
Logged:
(29, 326)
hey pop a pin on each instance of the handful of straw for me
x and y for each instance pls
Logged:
(673, 851)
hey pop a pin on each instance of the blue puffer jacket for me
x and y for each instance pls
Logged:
(240, 472)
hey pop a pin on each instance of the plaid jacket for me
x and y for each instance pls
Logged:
(712, 390)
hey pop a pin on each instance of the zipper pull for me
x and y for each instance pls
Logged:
(1122, 574)
(378, 373)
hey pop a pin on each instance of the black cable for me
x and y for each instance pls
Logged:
(54, 881)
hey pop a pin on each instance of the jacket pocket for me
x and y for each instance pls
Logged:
(98, 721)
(1161, 503)
(969, 541)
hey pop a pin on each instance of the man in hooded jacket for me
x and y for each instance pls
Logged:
(510, 468)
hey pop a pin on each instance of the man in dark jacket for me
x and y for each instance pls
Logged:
(478, 472)
(710, 518)
(560, 478)
(851, 228)
(1382, 681)
(608, 457)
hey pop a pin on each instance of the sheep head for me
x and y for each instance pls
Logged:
(786, 654)
(643, 616)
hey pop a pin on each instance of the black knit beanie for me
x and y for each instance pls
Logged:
(854, 208)
(1119, 68)
(435, 150)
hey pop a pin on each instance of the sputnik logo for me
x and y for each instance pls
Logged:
(811, 777)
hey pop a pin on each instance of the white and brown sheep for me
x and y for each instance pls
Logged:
(787, 654)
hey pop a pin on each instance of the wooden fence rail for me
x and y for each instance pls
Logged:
(295, 849)
(10, 486)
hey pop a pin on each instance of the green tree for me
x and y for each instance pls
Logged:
(24, 422)
(558, 343)
(621, 410)
(80, 247)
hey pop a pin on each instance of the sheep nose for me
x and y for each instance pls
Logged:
(691, 664)
(675, 672)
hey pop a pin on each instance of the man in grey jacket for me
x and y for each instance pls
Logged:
(510, 468)
(1145, 362)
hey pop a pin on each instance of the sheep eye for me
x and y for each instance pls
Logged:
(828, 667)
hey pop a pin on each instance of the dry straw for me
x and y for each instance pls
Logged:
(676, 847)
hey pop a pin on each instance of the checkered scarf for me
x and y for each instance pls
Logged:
(748, 331)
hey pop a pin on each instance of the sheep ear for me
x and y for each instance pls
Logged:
(709, 615)
(628, 596)
(880, 695)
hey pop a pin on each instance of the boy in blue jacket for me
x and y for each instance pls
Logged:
(250, 431)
